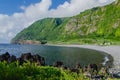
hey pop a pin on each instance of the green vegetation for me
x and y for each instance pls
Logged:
(29, 71)
(33, 72)
(98, 25)
(44, 30)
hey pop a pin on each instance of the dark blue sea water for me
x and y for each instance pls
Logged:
(70, 56)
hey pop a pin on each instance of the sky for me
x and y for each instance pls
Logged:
(16, 15)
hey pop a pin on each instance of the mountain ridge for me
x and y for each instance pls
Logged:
(99, 24)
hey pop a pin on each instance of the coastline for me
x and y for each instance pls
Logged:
(113, 50)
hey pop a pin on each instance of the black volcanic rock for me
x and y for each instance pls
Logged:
(23, 58)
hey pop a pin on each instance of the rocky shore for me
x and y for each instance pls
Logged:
(40, 61)
(90, 71)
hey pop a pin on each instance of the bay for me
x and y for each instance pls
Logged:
(69, 55)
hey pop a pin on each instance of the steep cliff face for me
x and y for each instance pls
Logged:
(100, 23)
(26, 42)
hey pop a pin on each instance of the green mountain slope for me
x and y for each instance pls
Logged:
(97, 25)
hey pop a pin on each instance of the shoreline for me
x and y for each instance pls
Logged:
(113, 50)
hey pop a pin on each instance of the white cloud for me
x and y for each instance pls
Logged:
(11, 25)
(102, 1)
(22, 7)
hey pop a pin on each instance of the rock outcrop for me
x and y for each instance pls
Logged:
(23, 58)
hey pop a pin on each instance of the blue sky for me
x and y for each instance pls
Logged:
(10, 7)
(15, 15)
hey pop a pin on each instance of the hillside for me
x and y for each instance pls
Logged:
(96, 25)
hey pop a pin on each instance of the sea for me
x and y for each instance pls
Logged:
(68, 55)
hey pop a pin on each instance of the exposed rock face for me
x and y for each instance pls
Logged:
(27, 42)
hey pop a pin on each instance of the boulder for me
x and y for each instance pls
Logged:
(26, 56)
(58, 64)
(23, 58)
(4, 57)
(12, 59)
(38, 59)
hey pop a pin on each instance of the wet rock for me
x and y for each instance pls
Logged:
(23, 58)
(94, 67)
(77, 66)
(12, 59)
(75, 70)
(38, 59)
(97, 77)
(4, 57)
(58, 64)
(26, 56)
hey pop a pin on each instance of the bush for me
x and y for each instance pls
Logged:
(29, 71)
